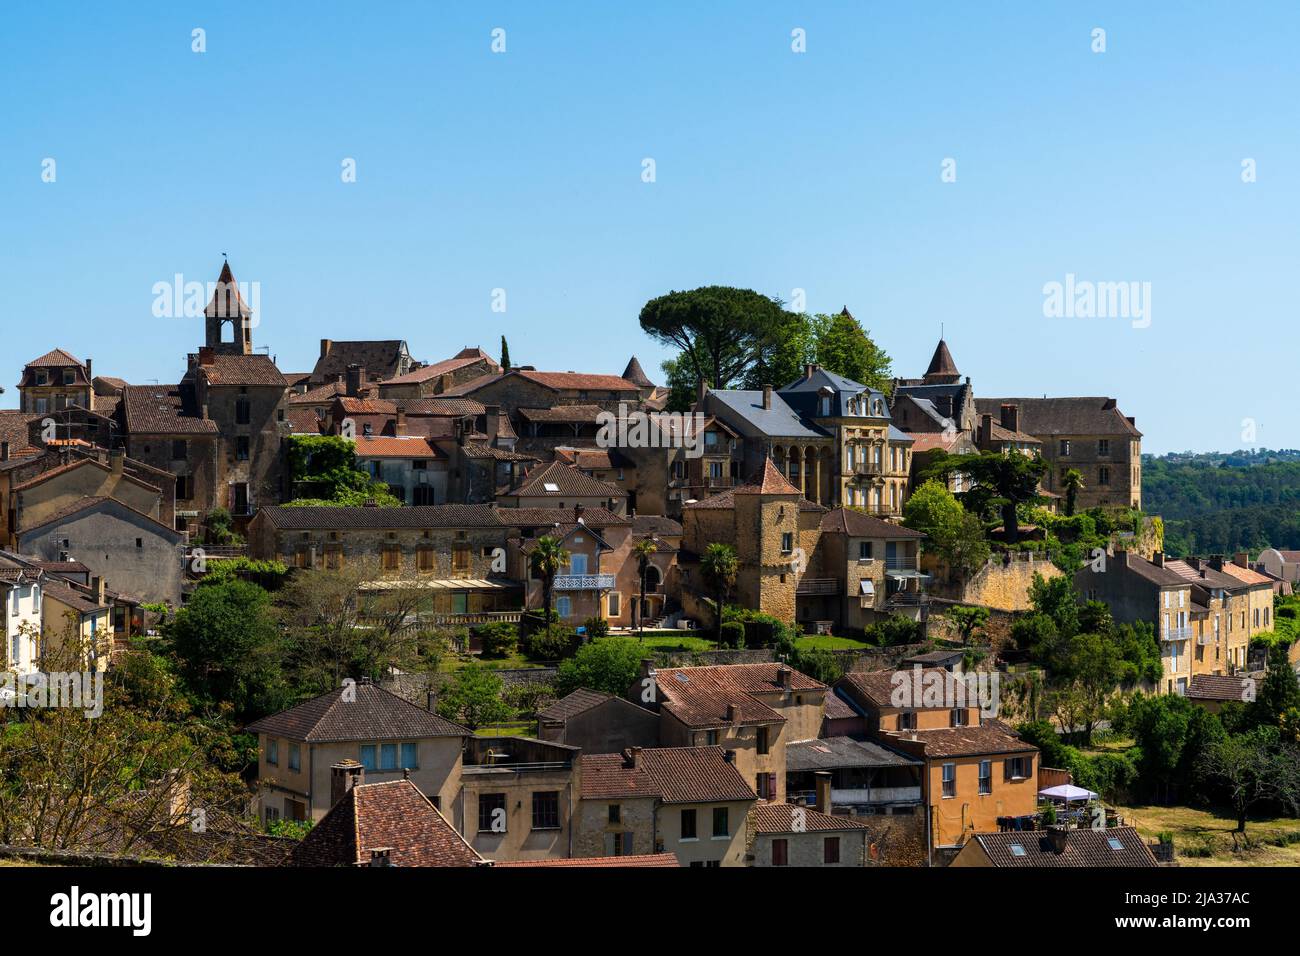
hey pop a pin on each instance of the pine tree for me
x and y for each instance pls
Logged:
(505, 354)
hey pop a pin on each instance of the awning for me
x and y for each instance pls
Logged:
(443, 584)
(867, 586)
(1067, 792)
(906, 575)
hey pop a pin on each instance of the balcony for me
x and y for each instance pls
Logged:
(869, 469)
(903, 562)
(1177, 633)
(584, 582)
(810, 586)
(1205, 640)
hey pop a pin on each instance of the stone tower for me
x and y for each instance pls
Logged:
(227, 307)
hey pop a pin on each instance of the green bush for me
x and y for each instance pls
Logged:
(596, 627)
(552, 644)
(733, 634)
(499, 639)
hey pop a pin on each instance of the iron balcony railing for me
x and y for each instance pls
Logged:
(1178, 633)
(870, 469)
(584, 582)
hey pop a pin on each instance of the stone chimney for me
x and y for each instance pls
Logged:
(1241, 559)
(731, 713)
(100, 597)
(701, 390)
(767, 397)
(1158, 559)
(117, 460)
(1216, 562)
(89, 370)
(399, 421)
(1058, 836)
(986, 431)
(345, 775)
(577, 514)
(822, 780)
(325, 346)
(1011, 417)
(356, 377)
(381, 856)
(809, 370)
(492, 422)
(207, 355)
(631, 756)
(444, 383)
(783, 677)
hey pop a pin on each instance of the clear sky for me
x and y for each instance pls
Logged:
(774, 170)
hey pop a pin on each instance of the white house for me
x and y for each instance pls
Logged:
(21, 590)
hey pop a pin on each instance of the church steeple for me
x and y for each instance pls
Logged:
(227, 306)
(942, 370)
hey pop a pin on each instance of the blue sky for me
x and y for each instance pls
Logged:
(774, 170)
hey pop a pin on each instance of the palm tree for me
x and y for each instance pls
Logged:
(545, 562)
(719, 566)
(644, 551)
(1071, 481)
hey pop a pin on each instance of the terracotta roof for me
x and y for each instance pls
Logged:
(320, 395)
(163, 410)
(439, 406)
(429, 372)
(62, 567)
(594, 459)
(13, 428)
(562, 413)
(1245, 575)
(656, 525)
(64, 593)
(1063, 416)
(93, 502)
(303, 421)
(928, 441)
(859, 525)
(604, 862)
(594, 518)
(226, 286)
(73, 466)
(877, 687)
(243, 370)
(1218, 687)
(365, 406)
(571, 381)
(699, 696)
(636, 375)
(990, 737)
(566, 481)
(473, 385)
(1083, 848)
(780, 818)
(770, 482)
(386, 446)
(289, 518)
(55, 358)
(374, 714)
(394, 816)
(578, 702)
(481, 449)
(1205, 575)
(672, 774)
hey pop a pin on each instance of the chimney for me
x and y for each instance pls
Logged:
(1058, 836)
(808, 370)
(631, 756)
(325, 346)
(577, 514)
(203, 411)
(4, 451)
(1011, 417)
(345, 775)
(399, 423)
(1158, 559)
(381, 856)
(731, 713)
(823, 784)
(207, 355)
(431, 701)
(783, 677)
(767, 397)
(89, 370)
(492, 422)
(1216, 562)
(1241, 559)
(986, 431)
(701, 389)
(117, 460)
(98, 584)
(444, 383)
(356, 377)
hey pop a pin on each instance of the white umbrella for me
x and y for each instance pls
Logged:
(1067, 792)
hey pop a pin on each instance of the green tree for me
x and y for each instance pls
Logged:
(843, 346)
(968, 620)
(1170, 733)
(682, 385)
(781, 354)
(323, 472)
(956, 536)
(610, 665)
(1000, 483)
(505, 354)
(1278, 694)
(1253, 768)
(545, 561)
(719, 567)
(1056, 598)
(644, 552)
(720, 331)
(1071, 481)
(229, 649)
(474, 697)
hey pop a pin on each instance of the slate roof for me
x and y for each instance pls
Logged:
(859, 525)
(375, 714)
(779, 421)
(831, 753)
(941, 363)
(1083, 848)
(1161, 577)
(804, 392)
(780, 818)
(288, 518)
(672, 774)
(578, 702)
(1217, 687)
(1064, 416)
(699, 696)
(379, 357)
(164, 410)
(393, 815)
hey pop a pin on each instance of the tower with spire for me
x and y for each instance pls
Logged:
(227, 306)
(942, 370)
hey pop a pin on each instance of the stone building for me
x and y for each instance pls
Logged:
(55, 381)
(380, 358)
(426, 381)
(781, 834)
(598, 723)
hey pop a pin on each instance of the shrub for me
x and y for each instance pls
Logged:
(596, 627)
(499, 639)
(610, 665)
(555, 642)
(733, 634)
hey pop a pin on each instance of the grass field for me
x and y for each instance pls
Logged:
(668, 641)
(826, 642)
(1204, 838)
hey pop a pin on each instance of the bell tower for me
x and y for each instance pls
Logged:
(228, 319)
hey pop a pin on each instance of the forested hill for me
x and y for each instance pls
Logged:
(1222, 503)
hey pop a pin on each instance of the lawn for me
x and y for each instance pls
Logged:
(827, 642)
(668, 641)
(1204, 837)
(513, 728)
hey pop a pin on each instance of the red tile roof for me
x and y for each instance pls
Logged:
(1083, 848)
(859, 525)
(577, 381)
(385, 446)
(163, 410)
(616, 862)
(56, 358)
(243, 370)
(781, 817)
(567, 481)
(430, 372)
(671, 774)
(699, 696)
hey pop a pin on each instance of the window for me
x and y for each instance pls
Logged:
(295, 758)
(688, 825)
(949, 780)
(710, 738)
(780, 853)
(615, 813)
(1016, 849)
(1103, 446)
(184, 487)
(180, 449)
(242, 448)
(831, 851)
(243, 412)
(460, 558)
(787, 542)
(388, 757)
(958, 717)
(410, 757)
(578, 564)
(614, 604)
(907, 720)
(1103, 476)
(491, 813)
(864, 550)
(765, 786)
(564, 607)
(1114, 843)
(546, 810)
(367, 757)
(272, 751)
(721, 822)
(1018, 768)
(1065, 447)
(986, 776)
(392, 557)
(761, 741)
(424, 559)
